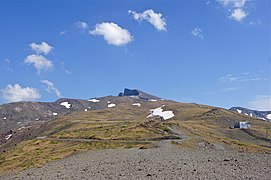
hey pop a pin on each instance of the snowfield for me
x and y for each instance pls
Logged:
(111, 105)
(66, 104)
(136, 104)
(159, 112)
(8, 136)
(94, 100)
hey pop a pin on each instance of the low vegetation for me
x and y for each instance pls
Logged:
(125, 126)
(33, 153)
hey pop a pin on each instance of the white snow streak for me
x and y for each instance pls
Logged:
(159, 112)
(111, 105)
(94, 100)
(66, 104)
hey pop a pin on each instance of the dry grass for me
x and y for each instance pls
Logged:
(125, 122)
(34, 153)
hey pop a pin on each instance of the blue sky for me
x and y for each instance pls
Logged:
(208, 52)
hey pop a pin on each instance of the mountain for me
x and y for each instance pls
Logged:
(264, 115)
(20, 114)
(34, 133)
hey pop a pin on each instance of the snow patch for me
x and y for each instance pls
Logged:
(86, 110)
(268, 116)
(19, 122)
(66, 104)
(136, 104)
(21, 128)
(239, 111)
(8, 136)
(111, 105)
(152, 100)
(108, 102)
(54, 114)
(251, 115)
(89, 107)
(37, 119)
(159, 112)
(261, 118)
(94, 100)
(5, 118)
(246, 114)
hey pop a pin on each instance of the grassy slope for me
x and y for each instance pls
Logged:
(127, 122)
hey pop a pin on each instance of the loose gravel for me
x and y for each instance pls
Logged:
(165, 162)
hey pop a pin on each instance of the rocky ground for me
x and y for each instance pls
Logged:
(165, 162)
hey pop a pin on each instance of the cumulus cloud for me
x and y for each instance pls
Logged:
(261, 102)
(42, 48)
(112, 33)
(39, 61)
(197, 32)
(155, 19)
(15, 93)
(81, 25)
(238, 14)
(233, 3)
(51, 87)
(236, 9)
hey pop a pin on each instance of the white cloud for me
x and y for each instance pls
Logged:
(15, 93)
(238, 14)
(112, 33)
(235, 8)
(255, 23)
(62, 32)
(261, 102)
(42, 48)
(230, 89)
(81, 25)
(51, 87)
(197, 32)
(233, 3)
(6, 65)
(155, 19)
(62, 64)
(39, 61)
(245, 77)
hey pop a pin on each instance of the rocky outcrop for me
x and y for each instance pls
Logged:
(138, 94)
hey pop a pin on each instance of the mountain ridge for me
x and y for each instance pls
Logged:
(264, 115)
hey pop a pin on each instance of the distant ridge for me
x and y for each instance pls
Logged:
(264, 115)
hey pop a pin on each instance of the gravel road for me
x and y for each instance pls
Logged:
(165, 162)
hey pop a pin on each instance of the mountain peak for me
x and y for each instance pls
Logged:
(138, 93)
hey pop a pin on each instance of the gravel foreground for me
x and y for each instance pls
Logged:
(165, 162)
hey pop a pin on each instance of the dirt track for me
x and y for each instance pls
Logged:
(165, 162)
